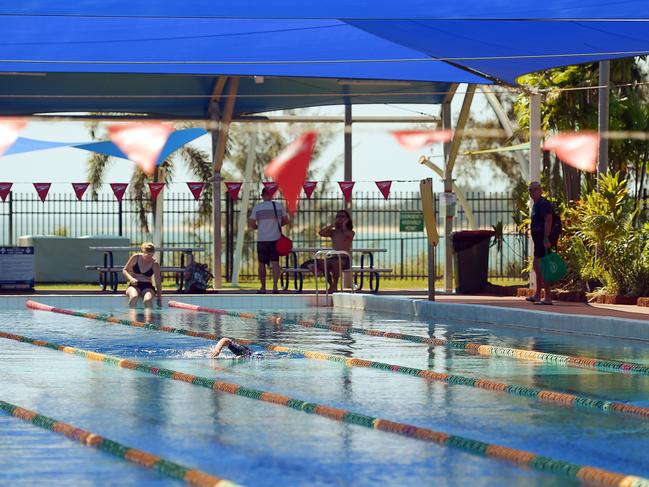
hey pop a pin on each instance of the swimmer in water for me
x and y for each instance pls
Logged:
(236, 348)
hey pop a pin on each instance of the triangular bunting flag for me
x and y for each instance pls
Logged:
(416, 139)
(5, 188)
(271, 187)
(80, 189)
(309, 188)
(384, 188)
(141, 142)
(155, 189)
(290, 167)
(346, 187)
(196, 189)
(9, 130)
(118, 190)
(233, 189)
(42, 189)
(576, 149)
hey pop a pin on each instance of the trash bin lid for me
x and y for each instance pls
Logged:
(466, 239)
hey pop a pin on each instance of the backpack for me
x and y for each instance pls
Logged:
(556, 229)
(197, 278)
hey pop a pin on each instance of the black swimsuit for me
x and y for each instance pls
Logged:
(142, 286)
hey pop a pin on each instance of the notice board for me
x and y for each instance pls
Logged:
(16, 267)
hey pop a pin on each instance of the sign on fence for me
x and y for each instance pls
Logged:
(16, 267)
(411, 221)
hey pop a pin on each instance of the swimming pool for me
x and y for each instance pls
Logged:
(256, 443)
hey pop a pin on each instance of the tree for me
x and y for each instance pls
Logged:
(570, 104)
(198, 161)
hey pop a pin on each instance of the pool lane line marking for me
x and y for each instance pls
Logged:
(603, 365)
(584, 473)
(142, 458)
(542, 395)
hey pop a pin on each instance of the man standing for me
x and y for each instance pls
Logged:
(540, 226)
(268, 218)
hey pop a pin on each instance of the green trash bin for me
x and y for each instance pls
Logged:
(471, 250)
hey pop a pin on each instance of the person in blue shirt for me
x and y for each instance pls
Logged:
(540, 226)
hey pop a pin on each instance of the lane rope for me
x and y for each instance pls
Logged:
(142, 458)
(584, 473)
(541, 395)
(604, 365)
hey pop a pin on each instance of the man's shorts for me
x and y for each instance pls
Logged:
(266, 252)
(539, 247)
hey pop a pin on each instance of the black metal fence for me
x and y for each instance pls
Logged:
(376, 222)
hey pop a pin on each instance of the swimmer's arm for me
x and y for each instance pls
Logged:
(128, 268)
(223, 342)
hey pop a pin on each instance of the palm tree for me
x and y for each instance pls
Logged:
(198, 161)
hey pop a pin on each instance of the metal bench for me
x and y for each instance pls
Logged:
(109, 275)
(358, 274)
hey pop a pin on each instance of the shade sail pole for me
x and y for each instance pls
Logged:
(603, 114)
(219, 140)
(448, 188)
(348, 145)
(535, 157)
(243, 209)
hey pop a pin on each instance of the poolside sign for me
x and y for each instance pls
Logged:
(411, 221)
(16, 267)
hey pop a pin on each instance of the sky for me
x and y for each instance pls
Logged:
(376, 155)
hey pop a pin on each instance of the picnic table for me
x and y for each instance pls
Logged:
(109, 272)
(292, 268)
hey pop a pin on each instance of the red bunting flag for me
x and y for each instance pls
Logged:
(42, 189)
(576, 149)
(80, 189)
(155, 189)
(309, 188)
(416, 139)
(5, 188)
(118, 190)
(384, 188)
(346, 187)
(290, 167)
(196, 189)
(271, 187)
(9, 130)
(233, 189)
(141, 142)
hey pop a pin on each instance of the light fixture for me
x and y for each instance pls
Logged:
(258, 80)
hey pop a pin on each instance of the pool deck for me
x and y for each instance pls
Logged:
(587, 309)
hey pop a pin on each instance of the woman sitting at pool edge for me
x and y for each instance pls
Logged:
(139, 270)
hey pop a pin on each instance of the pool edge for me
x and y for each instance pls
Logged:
(545, 321)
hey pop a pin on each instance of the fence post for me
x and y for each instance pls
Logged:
(11, 218)
(401, 260)
(120, 226)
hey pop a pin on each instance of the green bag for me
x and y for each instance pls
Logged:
(553, 267)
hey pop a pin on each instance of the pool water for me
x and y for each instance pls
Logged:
(257, 443)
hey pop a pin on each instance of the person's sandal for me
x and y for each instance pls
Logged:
(547, 303)
(532, 299)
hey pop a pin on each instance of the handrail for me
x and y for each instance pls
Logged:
(325, 254)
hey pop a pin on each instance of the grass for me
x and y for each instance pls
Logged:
(385, 284)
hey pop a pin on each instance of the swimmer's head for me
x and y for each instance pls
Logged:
(147, 248)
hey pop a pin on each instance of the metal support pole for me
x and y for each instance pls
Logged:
(603, 115)
(348, 142)
(448, 188)
(535, 156)
(11, 218)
